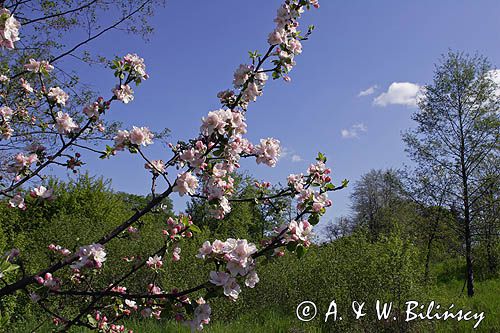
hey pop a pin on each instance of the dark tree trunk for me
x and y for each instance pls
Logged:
(428, 258)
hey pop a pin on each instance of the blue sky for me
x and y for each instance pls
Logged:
(356, 45)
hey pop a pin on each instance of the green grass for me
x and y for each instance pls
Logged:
(486, 299)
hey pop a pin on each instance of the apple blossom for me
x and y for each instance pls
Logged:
(38, 66)
(121, 139)
(90, 256)
(232, 289)
(124, 93)
(156, 166)
(252, 279)
(201, 315)
(176, 254)
(219, 278)
(154, 262)
(268, 151)
(92, 110)
(26, 86)
(137, 64)
(58, 96)
(9, 29)
(205, 250)
(42, 192)
(186, 183)
(17, 202)
(295, 46)
(141, 136)
(276, 37)
(241, 75)
(65, 124)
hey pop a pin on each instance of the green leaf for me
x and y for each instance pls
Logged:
(301, 251)
(314, 219)
(194, 228)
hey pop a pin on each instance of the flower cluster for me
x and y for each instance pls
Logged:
(194, 156)
(268, 151)
(130, 68)
(42, 192)
(91, 256)
(137, 136)
(9, 29)
(6, 114)
(156, 166)
(22, 162)
(135, 65)
(236, 254)
(186, 183)
(58, 96)
(49, 281)
(65, 124)
(201, 315)
(286, 36)
(123, 93)
(35, 66)
(178, 228)
(59, 249)
(223, 122)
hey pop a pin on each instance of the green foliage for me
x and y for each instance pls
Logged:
(84, 210)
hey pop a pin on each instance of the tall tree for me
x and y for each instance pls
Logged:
(458, 129)
(375, 190)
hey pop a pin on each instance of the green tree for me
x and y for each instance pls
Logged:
(457, 129)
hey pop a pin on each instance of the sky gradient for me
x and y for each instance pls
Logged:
(352, 91)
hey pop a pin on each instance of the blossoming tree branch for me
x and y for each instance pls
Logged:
(202, 167)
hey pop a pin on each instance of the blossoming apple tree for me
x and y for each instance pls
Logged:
(201, 167)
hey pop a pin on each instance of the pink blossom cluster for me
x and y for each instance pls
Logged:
(58, 96)
(36, 66)
(65, 124)
(318, 175)
(236, 254)
(136, 65)
(124, 93)
(178, 228)
(155, 262)
(6, 114)
(59, 249)
(224, 122)
(91, 256)
(9, 29)
(22, 162)
(268, 151)
(49, 281)
(201, 315)
(156, 166)
(103, 325)
(186, 183)
(17, 201)
(131, 68)
(286, 36)
(136, 137)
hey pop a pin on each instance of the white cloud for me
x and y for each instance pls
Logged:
(290, 154)
(368, 91)
(354, 131)
(399, 93)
